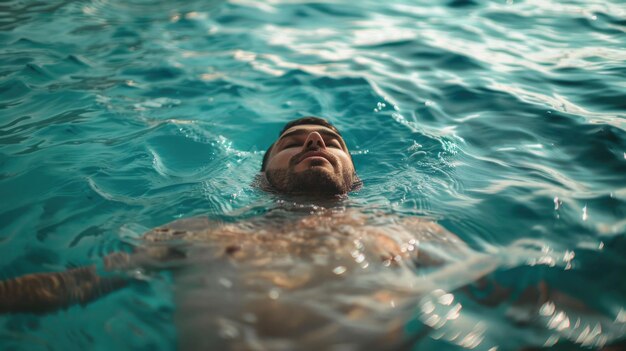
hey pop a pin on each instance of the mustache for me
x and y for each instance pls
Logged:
(297, 158)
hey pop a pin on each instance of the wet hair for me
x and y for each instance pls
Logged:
(309, 120)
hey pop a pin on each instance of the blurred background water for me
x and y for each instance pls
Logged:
(504, 120)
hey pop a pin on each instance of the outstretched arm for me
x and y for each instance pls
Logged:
(48, 292)
(45, 292)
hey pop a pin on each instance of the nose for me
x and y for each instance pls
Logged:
(314, 141)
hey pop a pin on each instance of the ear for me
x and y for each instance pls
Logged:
(266, 157)
(357, 183)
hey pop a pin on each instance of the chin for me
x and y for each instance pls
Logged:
(318, 180)
(313, 180)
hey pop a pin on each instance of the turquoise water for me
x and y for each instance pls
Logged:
(503, 120)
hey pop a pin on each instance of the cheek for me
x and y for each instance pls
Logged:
(345, 160)
(281, 160)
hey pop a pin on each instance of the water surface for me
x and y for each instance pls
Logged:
(503, 120)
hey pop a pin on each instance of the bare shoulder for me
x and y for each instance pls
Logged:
(384, 235)
(419, 239)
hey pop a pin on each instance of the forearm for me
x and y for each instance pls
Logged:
(46, 292)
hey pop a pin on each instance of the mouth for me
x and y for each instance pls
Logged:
(315, 155)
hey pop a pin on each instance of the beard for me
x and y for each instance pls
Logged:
(310, 181)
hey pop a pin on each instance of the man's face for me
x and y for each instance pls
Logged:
(310, 159)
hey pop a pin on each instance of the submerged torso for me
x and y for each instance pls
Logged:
(306, 280)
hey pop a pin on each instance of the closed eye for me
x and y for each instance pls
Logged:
(334, 143)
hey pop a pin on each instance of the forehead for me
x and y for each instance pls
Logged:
(308, 128)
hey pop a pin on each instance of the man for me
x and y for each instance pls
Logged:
(301, 277)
